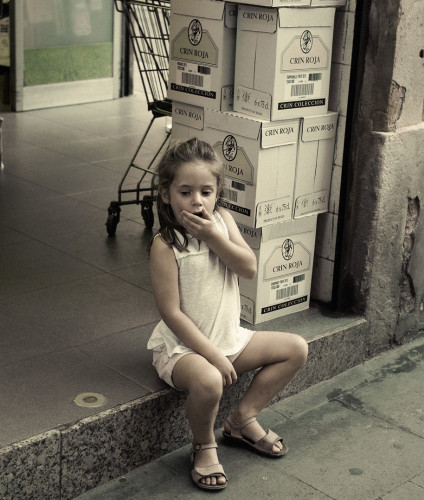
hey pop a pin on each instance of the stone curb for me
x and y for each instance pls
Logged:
(67, 461)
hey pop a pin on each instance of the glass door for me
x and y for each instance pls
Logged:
(66, 52)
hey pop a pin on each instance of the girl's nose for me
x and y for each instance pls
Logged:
(197, 199)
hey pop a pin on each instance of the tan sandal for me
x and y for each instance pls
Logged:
(215, 470)
(263, 446)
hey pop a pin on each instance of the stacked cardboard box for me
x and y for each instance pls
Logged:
(202, 53)
(252, 78)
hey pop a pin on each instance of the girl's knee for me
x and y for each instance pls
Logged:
(209, 385)
(300, 349)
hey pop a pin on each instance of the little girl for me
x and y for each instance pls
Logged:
(199, 346)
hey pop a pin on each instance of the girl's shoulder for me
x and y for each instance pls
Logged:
(222, 214)
(159, 245)
(226, 218)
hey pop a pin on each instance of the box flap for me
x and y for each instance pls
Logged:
(207, 9)
(311, 203)
(231, 14)
(279, 133)
(253, 101)
(252, 236)
(254, 18)
(289, 228)
(187, 114)
(316, 128)
(232, 122)
(294, 3)
(293, 17)
(328, 3)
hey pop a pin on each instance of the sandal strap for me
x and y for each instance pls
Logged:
(199, 473)
(238, 426)
(268, 441)
(265, 444)
(201, 447)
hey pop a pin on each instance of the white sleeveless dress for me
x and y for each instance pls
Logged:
(209, 296)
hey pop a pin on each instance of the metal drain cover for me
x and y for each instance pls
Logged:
(90, 400)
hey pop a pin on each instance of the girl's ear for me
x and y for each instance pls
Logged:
(163, 192)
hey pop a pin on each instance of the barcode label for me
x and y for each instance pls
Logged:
(230, 195)
(238, 185)
(203, 70)
(192, 79)
(298, 279)
(315, 77)
(302, 89)
(287, 292)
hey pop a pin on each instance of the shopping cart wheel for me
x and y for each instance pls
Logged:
(147, 211)
(112, 218)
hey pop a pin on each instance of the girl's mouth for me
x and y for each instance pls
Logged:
(198, 214)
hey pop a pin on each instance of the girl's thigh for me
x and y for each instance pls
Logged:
(194, 370)
(266, 348)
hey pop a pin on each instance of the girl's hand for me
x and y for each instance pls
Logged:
(224, 365)
(203, 228)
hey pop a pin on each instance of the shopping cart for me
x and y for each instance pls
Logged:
(147, 22)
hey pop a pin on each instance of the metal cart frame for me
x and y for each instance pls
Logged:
(147, 22)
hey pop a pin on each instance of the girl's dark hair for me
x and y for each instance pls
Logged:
(178, 154)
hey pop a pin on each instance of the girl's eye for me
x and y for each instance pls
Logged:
(185, 193)
(207, 193)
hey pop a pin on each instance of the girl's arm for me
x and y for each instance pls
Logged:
(164, 277)
(235, 253)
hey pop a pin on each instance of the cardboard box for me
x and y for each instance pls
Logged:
(260, 164)
(283, 61)
(187, 121)
(202, 53)
(285, 255)
(314, 164)
(294, 3)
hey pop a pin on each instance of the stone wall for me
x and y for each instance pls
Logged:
(382, 272)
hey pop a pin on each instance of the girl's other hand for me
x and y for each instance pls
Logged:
(199, 226)
(224, 365)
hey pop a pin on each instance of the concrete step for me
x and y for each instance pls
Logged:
(73, 458)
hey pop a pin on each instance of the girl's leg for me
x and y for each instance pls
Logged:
(202, 382)
(280, 356)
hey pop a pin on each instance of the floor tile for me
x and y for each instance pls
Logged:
(127, 353)
(41, 391)
(380, 455)
(138, 275)
(32, 128)
(101, 198)
(112, 126)
(94, 247)
(87, 309)
(10, 236)
(75, 178)
(94, 149)
(132, 106)
(27, 158)
(406, 491)
(118, 165)
(31, 265)
(21, 339)
(53, 215)
(16, 194)
(408, 411)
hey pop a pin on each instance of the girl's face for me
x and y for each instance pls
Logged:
(193, 189)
